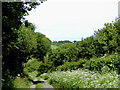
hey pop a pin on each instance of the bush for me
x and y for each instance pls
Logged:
(38, 67)
(94, 64)
(32, 75)
(72, 65)
(32, 67)
(65, 53)
(111, 61)
(33, 64)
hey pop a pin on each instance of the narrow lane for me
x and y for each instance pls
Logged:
(46, 85)
(34, 85)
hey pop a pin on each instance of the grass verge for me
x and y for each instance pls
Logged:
(22, 82)
(39, 86)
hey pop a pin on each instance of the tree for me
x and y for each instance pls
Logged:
(26, 41)
(117, 26)
(65, 53)
(12, 17)
(108, 37)
(83, 48)
(43, 46)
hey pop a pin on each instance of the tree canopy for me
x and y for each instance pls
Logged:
(18, 38)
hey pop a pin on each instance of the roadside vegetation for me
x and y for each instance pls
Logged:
(31, 54)
(94, 64)
(81, 78)
(96, 73)
(22, 82)
(39, 86)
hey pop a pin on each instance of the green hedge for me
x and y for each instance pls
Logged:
(72, 65)
(112, 61)
(94, 64)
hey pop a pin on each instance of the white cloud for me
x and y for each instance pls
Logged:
(72, 19)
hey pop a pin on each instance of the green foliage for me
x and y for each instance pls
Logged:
(34, 68)
(72, 65)
(31, 68)
(21, 43)
(27, 41)
(68, 52)
(94, 64)
(45, 67)
(12, 57)
(30, 25)
(54, 46)
(32, 75)
(45, 76)
(39, 86)
(104, 41)
(117, 26)
(64, 53)
(58, 43)
(22, 82)
(8, 82)
(89, 47)
(43, 46)
(32, 65)
(65, 41)
(109, 37)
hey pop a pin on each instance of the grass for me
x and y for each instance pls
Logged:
(22, 82)
(82, 79)
(54, 46)
(38, 78)
(39, 86)
(25, 83)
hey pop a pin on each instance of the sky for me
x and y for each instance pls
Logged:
(72, 19)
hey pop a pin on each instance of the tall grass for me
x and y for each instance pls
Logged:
(22, 82)
(39, 86)
(82, 79)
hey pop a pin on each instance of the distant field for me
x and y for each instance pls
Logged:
(54, 46)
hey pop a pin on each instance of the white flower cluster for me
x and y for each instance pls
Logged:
(83, 79)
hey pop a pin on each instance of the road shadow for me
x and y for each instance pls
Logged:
(35, 82)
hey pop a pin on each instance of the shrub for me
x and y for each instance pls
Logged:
(111, 61)
(72, 65)
(94, 64)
